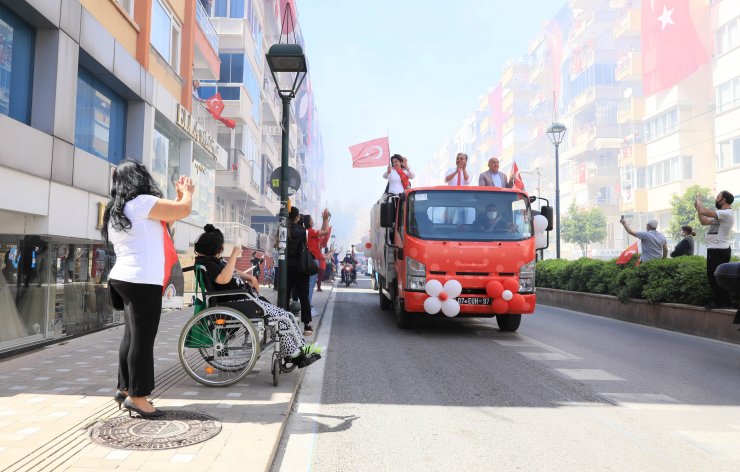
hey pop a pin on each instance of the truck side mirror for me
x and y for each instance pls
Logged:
(532, 199)
(387, 215)
(547, 212)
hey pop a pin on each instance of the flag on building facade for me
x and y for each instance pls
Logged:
(516, 177)
(373, 153)
(671, 46)
(556, 35)
(215, 105)
(627, 254)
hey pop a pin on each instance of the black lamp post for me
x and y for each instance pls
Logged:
(556, 133)
(289, 60)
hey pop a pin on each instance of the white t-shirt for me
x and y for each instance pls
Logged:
(461, 176)
(720, 230)
(140, 250)
(395, 185)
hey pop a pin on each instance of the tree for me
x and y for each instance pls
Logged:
(583, 227)
(684, 213)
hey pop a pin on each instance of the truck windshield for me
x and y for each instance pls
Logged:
(469, 216)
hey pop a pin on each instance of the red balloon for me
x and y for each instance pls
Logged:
(518, 303)
(500, 306)
(494, 289)
(368, 245)
(443, 296)
(511, 284)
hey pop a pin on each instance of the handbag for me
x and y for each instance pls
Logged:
(306, 262)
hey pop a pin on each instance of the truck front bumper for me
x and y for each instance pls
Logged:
(414, 303)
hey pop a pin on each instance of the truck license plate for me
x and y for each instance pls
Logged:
(473, 301)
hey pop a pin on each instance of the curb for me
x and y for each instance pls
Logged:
(289, 409)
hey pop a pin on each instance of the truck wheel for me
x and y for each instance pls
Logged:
(508, 322)
(385, 304)
(404, 319)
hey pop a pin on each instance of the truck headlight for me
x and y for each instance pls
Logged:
(416, 275)
(526, 278)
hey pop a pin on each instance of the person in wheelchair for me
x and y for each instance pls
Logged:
(223, 275)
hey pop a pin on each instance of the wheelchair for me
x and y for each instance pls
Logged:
(222, 342)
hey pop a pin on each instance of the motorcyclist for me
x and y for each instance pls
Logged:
(350, 259)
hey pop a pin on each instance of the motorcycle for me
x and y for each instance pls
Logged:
(348, 275)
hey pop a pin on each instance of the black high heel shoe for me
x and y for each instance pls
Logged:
(143, 414)
(119, 397)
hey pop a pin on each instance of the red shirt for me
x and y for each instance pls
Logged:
(313, 244)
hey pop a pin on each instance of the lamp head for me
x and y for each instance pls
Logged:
(556, 133)
(290, 60)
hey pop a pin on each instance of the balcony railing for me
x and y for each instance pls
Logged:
(233, 231)
(204, 118)
(204, 22)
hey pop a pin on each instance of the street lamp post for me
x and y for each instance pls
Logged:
(556, 133)
(287, 59)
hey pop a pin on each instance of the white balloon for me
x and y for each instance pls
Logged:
(433, 288)
(507, 295)
(453, 288)
(540, 240)
(450, 307)
(540, 223)
(432, 305)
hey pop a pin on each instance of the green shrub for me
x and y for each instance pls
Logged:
(679, 280)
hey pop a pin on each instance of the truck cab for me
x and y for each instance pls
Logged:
(477, 243)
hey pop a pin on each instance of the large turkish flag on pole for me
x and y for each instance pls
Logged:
(373, 153)
(671, 47)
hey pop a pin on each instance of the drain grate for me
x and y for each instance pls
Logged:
(176, 429)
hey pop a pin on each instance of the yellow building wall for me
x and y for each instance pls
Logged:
(115, 20)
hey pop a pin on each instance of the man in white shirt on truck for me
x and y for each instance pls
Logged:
(720, 220)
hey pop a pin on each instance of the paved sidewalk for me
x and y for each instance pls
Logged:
(49, 399)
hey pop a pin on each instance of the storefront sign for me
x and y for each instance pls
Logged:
(186, 122)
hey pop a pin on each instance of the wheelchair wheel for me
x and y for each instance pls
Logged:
(218, 347)
(275, 371)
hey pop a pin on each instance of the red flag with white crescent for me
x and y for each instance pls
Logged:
(516, 177)
(373, 153)
(627, 254)
(215, 105)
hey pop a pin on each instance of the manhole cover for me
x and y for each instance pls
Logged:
(176, 429)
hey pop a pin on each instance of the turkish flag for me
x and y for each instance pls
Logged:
(371, 153)
(671, 47)
(324, 241)
(227, 122)
(215, 105)
(516, 177)
(627, 254)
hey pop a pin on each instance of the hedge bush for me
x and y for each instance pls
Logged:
(679, 280)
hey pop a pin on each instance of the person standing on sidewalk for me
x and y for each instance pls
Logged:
(297, 280)
(686, 246)
(720, 220)
(653, 244)
(135, 223)
(313, 243)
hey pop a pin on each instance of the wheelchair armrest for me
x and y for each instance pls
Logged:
(188, 269)
(226, 293)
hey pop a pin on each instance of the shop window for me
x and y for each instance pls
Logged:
(100, 126)
(165, 168)
(165, 36)
(16, 66)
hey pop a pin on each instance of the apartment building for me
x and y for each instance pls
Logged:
(83, 85)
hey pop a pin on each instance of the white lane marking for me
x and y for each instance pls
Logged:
(548, 356)
(513, 343)
(302, 426)
(647, 401)
(589, 374)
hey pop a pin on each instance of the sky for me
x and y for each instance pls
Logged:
(409, 70)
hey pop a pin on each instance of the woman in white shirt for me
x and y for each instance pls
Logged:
(135, 223)
(398, 174)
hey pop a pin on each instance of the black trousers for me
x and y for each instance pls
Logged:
(715, 257)
(298, 285)
(142, 308)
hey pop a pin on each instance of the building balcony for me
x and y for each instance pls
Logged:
(234, 35)
(206, 64)
(236, 182)
(629, 67)
(634, 154)
(204, 121)
(236, 231)
(591, 95)
(537, 101)
(272, 104)
(631, 109)
(633, 200)
(539, 72)
(628, 25)
(237, 102)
